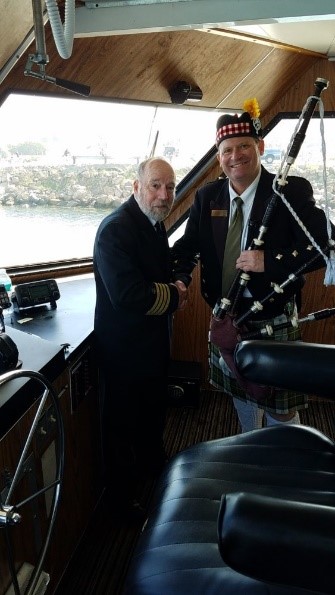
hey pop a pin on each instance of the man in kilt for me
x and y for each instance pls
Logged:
(285, 248)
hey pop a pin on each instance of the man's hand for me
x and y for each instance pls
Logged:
(183, 294)
(251, 260)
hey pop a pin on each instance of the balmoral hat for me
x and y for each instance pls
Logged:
(245, 124)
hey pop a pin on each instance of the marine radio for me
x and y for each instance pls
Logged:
(36, 293)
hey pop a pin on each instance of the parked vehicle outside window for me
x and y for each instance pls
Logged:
(271, 155)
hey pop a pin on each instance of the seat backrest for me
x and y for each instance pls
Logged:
(295, 365)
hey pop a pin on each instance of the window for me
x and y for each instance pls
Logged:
(310, 160)
(66, 163)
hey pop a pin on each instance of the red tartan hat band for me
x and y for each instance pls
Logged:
(229, 126)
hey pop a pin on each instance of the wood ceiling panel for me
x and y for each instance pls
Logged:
(270, 80)
(151, 64)
(16, 22)
(144, 66)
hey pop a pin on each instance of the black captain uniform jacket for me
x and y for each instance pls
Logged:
(286, 246)
(134, 294)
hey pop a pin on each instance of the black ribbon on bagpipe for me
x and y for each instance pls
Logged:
(226, 329)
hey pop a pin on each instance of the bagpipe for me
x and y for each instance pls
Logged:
(228, 325)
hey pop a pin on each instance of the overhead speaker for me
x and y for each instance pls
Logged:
(183, 91)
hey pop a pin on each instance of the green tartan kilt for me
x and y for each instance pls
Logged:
(280, 401)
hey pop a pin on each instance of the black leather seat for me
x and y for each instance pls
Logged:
(253, 513)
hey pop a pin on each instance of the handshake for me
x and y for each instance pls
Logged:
(183, 294)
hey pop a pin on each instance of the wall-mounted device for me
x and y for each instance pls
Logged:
(4, 304)
(8, 350)
(4, 298)
(9, 355)
(36, 293)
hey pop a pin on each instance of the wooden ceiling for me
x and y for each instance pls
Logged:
(16, 19)
(228, 68)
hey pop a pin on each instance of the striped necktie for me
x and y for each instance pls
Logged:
(232, 248)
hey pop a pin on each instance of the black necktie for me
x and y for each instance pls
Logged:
(232, 248)
(159, 229)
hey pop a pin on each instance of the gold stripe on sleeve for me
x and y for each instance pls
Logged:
(162, 300)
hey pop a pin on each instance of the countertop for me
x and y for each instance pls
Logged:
(70, 323)
(18, 394)
(47, 340)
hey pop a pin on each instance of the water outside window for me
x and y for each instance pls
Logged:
(66, 163)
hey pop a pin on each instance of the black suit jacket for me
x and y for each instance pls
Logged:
(134, 299)
(286, 246)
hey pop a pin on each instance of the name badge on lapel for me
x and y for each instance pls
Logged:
(219, 213)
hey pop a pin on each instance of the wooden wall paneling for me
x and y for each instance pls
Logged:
(190, 328)
(28, 535)
(10, 447)
(45, 435)
(67, 528)
(82, 473)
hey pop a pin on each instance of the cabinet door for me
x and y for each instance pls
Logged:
(25, 487)
(14, 537)
(82, 485)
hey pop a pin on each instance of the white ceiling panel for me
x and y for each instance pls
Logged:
(317, 36)
(305, 24)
